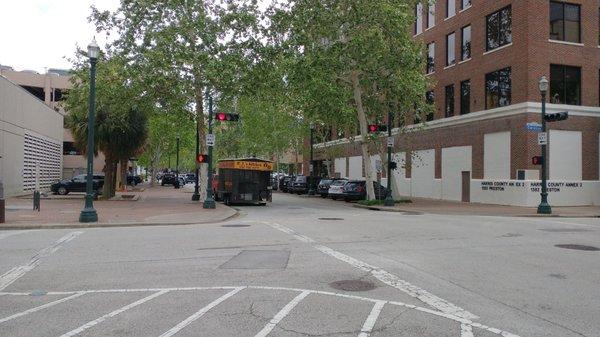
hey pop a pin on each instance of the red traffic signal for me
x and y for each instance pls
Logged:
(202, 158)
(537, 160)
(225, 117)
(372, 128)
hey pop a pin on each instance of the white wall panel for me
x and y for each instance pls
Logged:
(496, 155)
(423, 182)
(565, 155)
(400, 185)
(340, 166)
(455, 160)
(355, 167)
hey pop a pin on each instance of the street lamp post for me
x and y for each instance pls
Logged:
(389, 201)
(176, 185)
(88, 214)
(311, 166)
(196, 195)
(544, 207)
(209, 202)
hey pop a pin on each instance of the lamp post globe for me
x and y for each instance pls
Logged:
(543, 85)
(544, 206)
(89, 214)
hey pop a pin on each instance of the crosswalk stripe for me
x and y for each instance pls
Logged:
(200, 313)
(41, 307)
(112, 314)
(282, 314)
(370, 321)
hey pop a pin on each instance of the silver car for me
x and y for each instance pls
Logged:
(335, 189)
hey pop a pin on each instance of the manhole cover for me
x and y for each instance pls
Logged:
(331, 219)
(235, 226)
(352, 285)
(578, 247)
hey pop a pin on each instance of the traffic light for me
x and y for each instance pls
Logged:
(537, 160)
(556, 117)
(372, 128)
(202, 158)
(226, 117)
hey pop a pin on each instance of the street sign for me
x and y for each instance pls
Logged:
(533, 126)
(542, 138)
(390, 142)
(210, 139)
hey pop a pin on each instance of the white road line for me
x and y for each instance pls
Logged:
(41, 307)
(112, 314)
(466, 330)
(370, 322)
(14, 274)
(200, 313)
(282, 314)
(383, 276)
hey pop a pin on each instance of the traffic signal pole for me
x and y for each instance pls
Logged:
(389, 201)
(544, 206)
(209, 202)
(196, 195)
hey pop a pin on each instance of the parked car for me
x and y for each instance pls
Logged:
(290, 185)
(323, 187)
(335, 189)
(77, 184)
(190, 178)
(283, 183)
(300, 185)
(134, 180)
(357, 190)
(171, 179)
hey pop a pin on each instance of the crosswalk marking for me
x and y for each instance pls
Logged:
(200, 313)
(370, 321)
(282, 314)
(41, 307)
(112, 314)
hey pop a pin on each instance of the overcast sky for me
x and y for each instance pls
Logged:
(39, 34)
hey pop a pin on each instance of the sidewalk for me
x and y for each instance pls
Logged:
(154, 206)
(431, 206)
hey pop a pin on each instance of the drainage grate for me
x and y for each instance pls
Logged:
(578, 247)
(352, 285)
(235, 226)
(331, 219)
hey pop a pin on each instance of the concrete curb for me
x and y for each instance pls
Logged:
(235, 214)
(399, 210)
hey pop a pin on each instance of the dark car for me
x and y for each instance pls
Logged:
(323, 187)
(190, 178)
(357, 190)
(290, 184)
(77, 184)
(133, 180)
(283, 183)
(300, 185)
(172, 179)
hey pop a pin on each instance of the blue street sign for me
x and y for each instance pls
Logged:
(537, 127)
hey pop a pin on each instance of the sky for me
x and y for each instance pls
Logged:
(39, 34)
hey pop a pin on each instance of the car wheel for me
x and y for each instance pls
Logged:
(63, 190)
(323, 196)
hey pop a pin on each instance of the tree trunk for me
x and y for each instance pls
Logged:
(364, 145)
(108, 191)
(123, 174)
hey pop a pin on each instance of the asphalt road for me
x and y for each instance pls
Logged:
(306, 267)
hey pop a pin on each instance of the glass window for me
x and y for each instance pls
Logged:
(431, 16)
(466, 43)
(497, 88)
(450, 8)
(449, 102)
(431, 58)
(565, 22)
(565, 84)
(465, 4)
(419, 19)
(430, 98)
(450, 49)
(465, 97)
(498, 29)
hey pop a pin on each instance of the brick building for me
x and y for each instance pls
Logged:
(485, 60)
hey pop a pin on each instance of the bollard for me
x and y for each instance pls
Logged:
(2, 203)
(36, 200)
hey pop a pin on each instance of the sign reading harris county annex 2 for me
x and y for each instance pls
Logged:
(533, 186)
(246, 165)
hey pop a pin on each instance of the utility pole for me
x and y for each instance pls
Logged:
(209, 203)
(544, 207)
(389, 201)
(196, 195)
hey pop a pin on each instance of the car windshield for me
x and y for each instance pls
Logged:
(325, 182)
(339, 182)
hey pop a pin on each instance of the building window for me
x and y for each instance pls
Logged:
(465, 4)
(565, 84)
(498, 31)
(419, 19)
(466, 43)
(431, 16)
(465, 97)
(450, 49)
(430, 99)
(35, 91)
(431, 58)
(565, 22)
(449, 102)
(497, 88)
(450, 8)
(70, 150)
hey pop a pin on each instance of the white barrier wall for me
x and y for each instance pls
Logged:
(565, 155)
(496, 155)
(340, 167)
(401, 185)
(455, 160)
(355, 167)
(423, 182)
